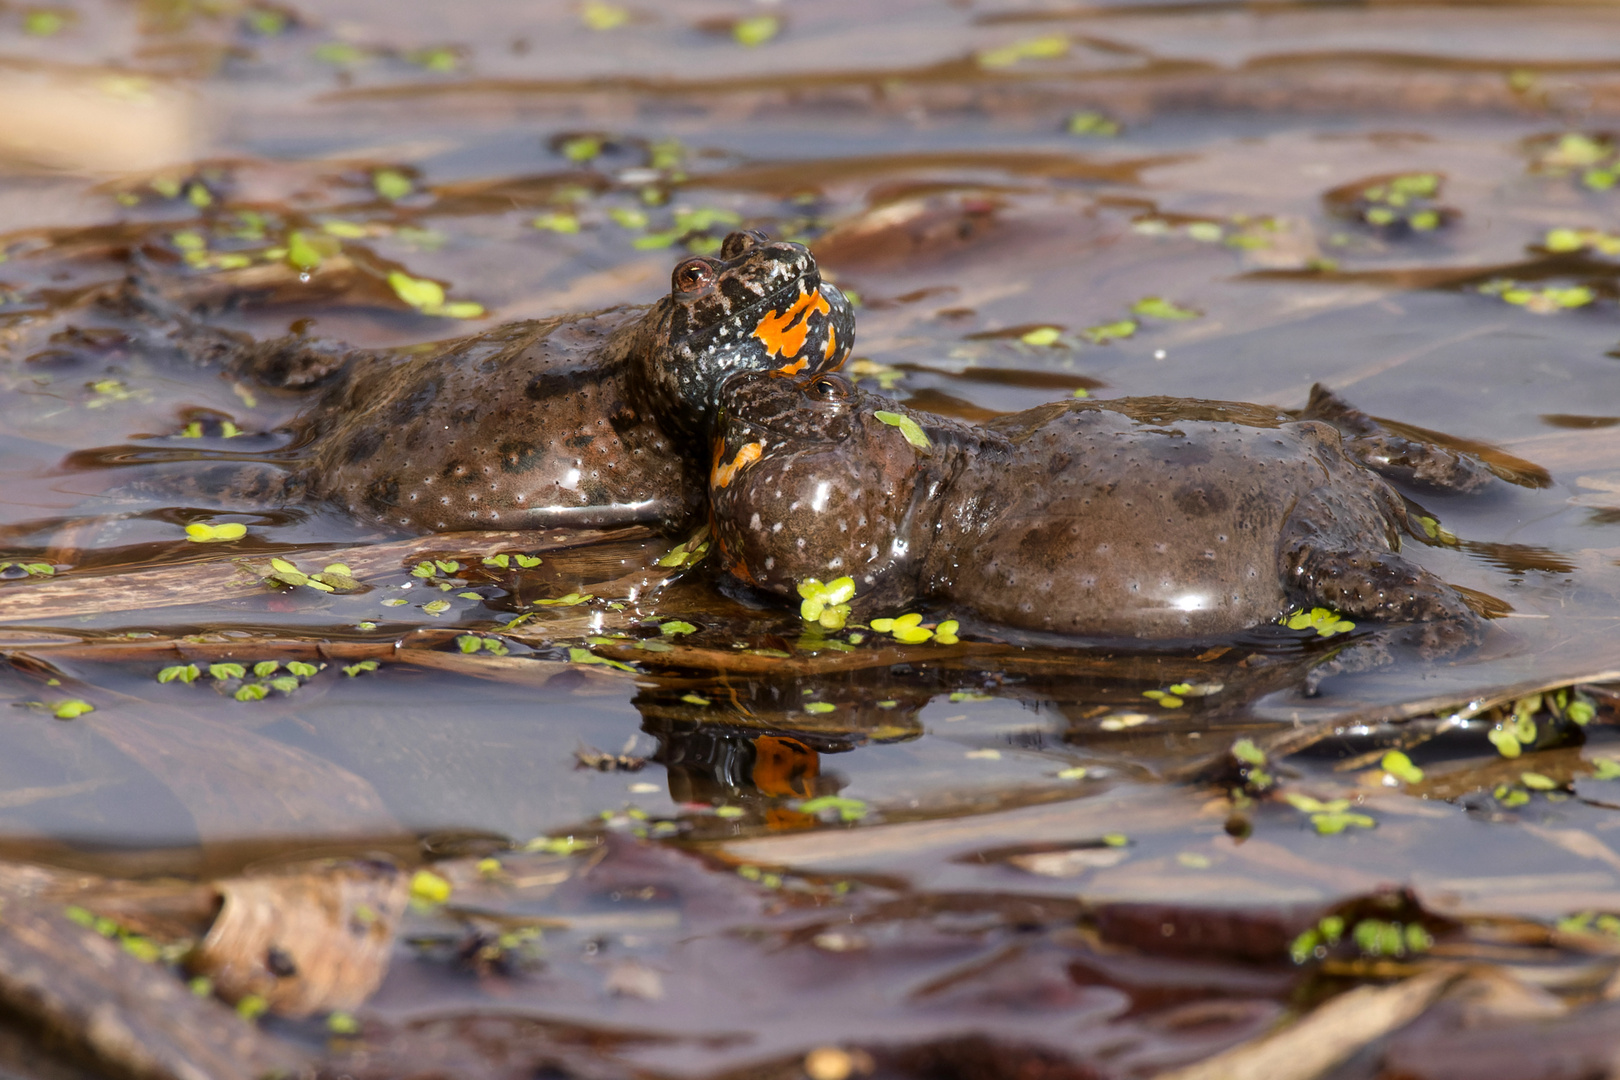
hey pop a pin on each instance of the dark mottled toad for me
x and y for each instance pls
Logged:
(1158, 518)
(594, 419)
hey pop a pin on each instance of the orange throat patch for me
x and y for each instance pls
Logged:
(783, 333)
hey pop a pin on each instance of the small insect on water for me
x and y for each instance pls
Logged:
(588, 757)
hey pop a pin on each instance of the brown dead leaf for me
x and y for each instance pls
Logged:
(307, 942)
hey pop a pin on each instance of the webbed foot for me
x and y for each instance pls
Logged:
(1417, 456)
(1321, 568)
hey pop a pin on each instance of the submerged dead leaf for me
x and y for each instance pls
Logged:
(307, 942)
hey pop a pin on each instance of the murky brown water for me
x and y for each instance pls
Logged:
(1025, 863)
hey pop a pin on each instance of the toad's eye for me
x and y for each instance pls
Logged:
(828, 388)
(693, 274)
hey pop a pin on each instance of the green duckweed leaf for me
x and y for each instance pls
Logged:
(1505, 741)
(847, 809)
(429, 888)
(1114, 331)
(602, 16)
(585, 656)
(353, 670)
(912, 431)
(1401, 768)
(1247, 752)
(203, 533)
(1156, 307)
(557, 222)
(186, 673)
(569, 600)
(1040, 336)
(1606, 768)
(1333, 823)
(1048, 47)
(301, 669)
(756, 30)
(1093, 123)
(419, 293)
(252, 692)
(227, 670)
(71, 708)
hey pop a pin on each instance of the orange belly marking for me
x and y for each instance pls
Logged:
(721, 475)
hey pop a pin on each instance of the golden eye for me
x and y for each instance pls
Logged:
(693, 274)
(828, 388)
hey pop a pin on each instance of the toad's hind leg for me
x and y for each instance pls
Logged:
(1359, 573)
(1395, 455)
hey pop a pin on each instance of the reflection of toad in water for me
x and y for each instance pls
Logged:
(758, 748)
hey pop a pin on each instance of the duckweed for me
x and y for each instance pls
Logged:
(1436, 531)
(826, 605)
(71, 709)
(44, 22)
(756, 30)
(186, 673)
(1157, 307)
(1049, 47)
(687, 553)
(846, 809)
(1566, 240)
(1401, 768)
(819, 707)
(886, 376)
(1093, 123)
(391, 184)
(1040, 336)
(1165, 699)
(695, 699)
(572, 599)
(912, 431)
(602, 16)
(226, 670)
(1247, 752)
(355, 670)
(1073, 772)
(585, 656)
(301, 254)
(906, 629)
(32, 569)
(557, 223)
(429, 889)
(428, 297)
(1542, 301)
(1325, 621)
(1114, 331)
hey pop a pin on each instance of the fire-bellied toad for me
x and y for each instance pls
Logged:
(588, 420)
(1156, 518)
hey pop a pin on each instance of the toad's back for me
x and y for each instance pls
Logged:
(1145, 521)
(529, 425)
